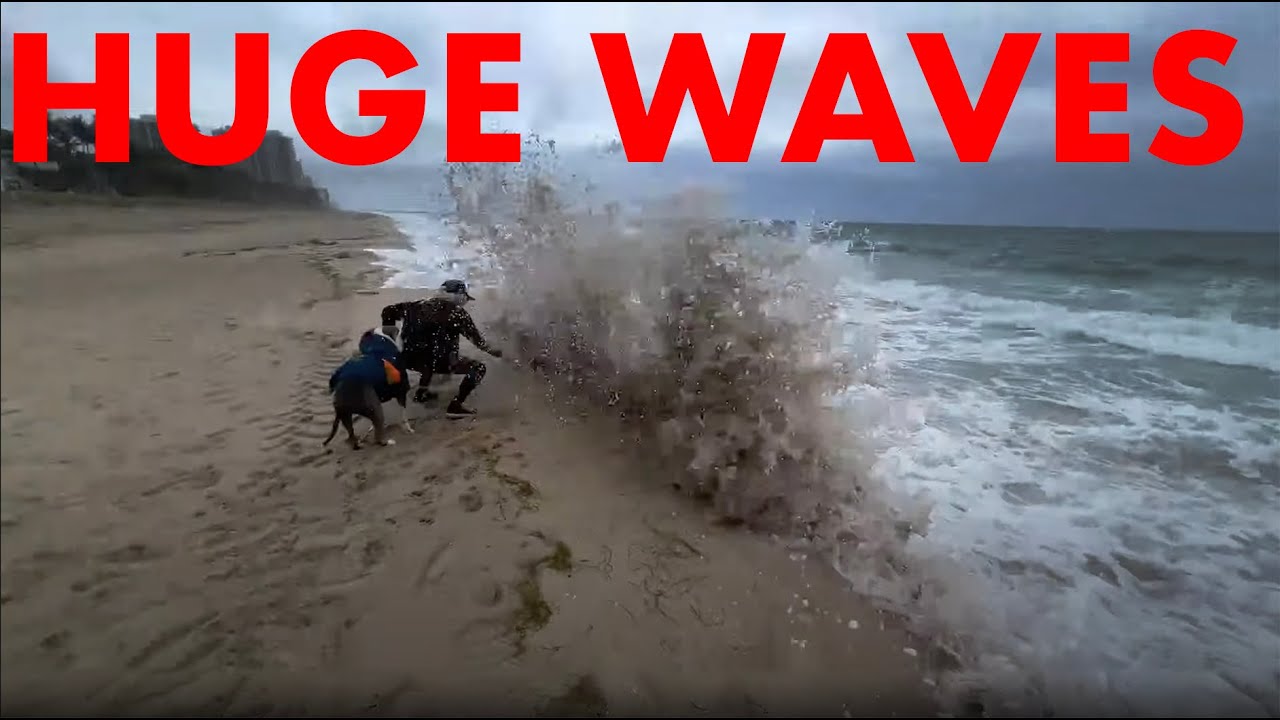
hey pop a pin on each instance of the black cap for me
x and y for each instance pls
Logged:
(456, 287)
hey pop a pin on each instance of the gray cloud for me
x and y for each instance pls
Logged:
(561, 96)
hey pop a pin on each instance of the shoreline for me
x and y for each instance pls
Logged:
(940, 662)
(996, 676)
(210, 556)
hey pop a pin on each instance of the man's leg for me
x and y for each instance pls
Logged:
(472, 372)
(418, 359)
(424, 394)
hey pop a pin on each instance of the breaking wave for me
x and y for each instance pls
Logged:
(722, 347)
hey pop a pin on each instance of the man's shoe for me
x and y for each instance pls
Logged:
(456, 411)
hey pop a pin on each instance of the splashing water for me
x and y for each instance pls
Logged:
(722, 345)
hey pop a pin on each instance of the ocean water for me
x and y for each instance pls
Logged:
(1094, 417)
(1098, 414)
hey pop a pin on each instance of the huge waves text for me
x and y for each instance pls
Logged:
(645, 133)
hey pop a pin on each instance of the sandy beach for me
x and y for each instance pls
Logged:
(176, 540)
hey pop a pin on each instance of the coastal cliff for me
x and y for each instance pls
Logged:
(272, 175)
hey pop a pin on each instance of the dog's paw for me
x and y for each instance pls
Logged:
(388, 442)
(408, 428)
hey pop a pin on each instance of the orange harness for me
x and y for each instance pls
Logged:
(393, 375)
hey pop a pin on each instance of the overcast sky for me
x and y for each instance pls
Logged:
(561, 96)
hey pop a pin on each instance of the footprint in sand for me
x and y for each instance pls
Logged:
(471, 500)
(58, 645)
(201, 478)
(136, 552)
(584, 698)
(488, 593)
(173, 636)
(435, 566)
(374, 552)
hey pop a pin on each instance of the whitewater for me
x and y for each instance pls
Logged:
(1057, 451)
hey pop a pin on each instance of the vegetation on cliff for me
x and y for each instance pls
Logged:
(150, 172)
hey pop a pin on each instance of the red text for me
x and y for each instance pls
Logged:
(974, 127)
(973, 124)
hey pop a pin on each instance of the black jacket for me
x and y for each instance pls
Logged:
(431, 330)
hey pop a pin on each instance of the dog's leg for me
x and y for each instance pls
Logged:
(380, 427)
(349, 424)
(373, 411)
(404, 415)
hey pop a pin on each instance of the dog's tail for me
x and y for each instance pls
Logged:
(332, 431)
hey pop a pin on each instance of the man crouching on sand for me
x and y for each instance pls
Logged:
(430, 332)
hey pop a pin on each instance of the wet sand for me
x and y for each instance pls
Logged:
(176, 540)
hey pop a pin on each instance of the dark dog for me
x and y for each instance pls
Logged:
(366, 381)
(355, 398)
